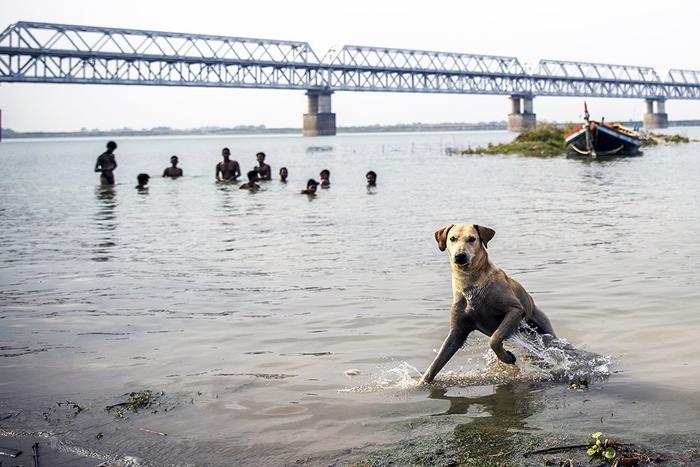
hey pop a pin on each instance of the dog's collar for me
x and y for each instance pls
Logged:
(485, 284)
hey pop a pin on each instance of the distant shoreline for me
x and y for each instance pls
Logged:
(8, 133)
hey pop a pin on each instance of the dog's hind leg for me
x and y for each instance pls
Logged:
(507, 327)
(540, 320)
(455, 339)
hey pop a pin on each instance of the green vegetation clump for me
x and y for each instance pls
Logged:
(675, 139)
(653, 139)
(544, 140)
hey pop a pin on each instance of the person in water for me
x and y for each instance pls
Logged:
(106, 164)
(325, 178)
(311, 186)
(229, 170)
(284, 173)
(371, 178)
(142, 180)
(264, 170)
(173, 171)
(251, 185)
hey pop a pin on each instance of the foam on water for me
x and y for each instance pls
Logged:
(540, 358)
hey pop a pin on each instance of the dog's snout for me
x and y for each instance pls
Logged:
(461, 258)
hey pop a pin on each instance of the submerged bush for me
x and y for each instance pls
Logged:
(545, 140)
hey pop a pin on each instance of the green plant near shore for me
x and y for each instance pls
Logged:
(601, 447)
(545, 140)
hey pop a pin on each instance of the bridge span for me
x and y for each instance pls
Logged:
(58, 53)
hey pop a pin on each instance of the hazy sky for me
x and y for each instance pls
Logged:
(658, 34)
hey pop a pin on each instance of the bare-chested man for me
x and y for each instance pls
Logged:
(106, 163)
(173, 171)
(229, 170)
(264, 170)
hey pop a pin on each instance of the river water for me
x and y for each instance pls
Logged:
(242, 311)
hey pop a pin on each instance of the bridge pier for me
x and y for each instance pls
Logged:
(658, 119)
(319, 120)
(519, 121)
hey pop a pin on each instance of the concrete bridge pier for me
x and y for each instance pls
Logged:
(521, 120)
(319, 120)
(658, 119)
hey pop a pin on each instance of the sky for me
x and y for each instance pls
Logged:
(662, 35)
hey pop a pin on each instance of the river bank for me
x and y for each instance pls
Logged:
(248, 130)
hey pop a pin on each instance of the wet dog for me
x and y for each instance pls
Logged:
(484, 298)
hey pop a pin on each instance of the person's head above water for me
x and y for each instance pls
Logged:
(325, 178)
(260, 157)
(174, 160)
(284, 173)
(253, 176)
(371, 178)
(142, 179)
(111, 145)
(311, 186)
(226, 153)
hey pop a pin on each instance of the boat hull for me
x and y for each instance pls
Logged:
(600, 140)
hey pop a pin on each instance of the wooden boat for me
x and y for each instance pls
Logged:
(595, 139)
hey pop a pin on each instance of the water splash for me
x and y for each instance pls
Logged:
(546, 358)
(401, 378)
(540, 358)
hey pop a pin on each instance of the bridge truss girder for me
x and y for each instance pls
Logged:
(55, 53)
(140, 71)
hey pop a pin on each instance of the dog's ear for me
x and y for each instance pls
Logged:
(485, 234)
(441, 237)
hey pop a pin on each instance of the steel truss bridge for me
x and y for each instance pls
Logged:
(58, 53)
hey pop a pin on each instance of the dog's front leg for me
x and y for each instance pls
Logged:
(459, 330)
(508, 326)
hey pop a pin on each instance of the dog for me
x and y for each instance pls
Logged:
(484, 298)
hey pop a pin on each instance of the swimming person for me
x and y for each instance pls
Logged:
(325, 178)
(310, 188)
(251, 185)
(264, 170)
(284, 173)
(106, 163)
(371, 178)
(229, 169)
(174, 171)
(142, 180)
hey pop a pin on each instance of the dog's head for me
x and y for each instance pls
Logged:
(465, 243)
